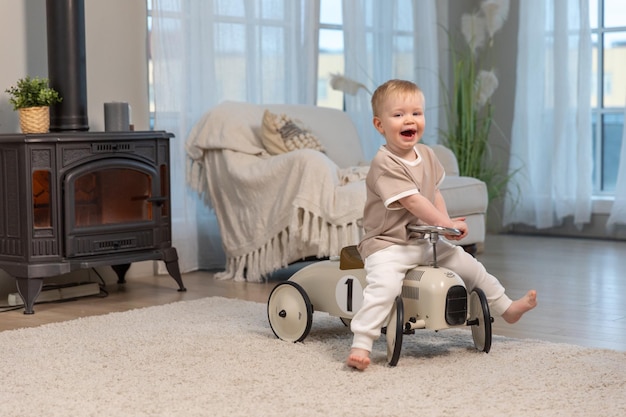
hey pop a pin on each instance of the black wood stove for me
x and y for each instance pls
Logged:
(78, 200)
(73, 199)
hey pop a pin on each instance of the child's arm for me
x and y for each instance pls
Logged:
(440, 203)
(433, 214)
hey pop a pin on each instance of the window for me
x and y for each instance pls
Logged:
(331, 58)
(388, 30)
(608, 27)
(235, 50)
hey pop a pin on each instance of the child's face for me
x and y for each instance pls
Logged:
(401, 121)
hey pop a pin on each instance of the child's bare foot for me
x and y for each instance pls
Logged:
(358, 358)
(521, 306)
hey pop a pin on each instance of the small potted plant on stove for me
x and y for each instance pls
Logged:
(32, 98)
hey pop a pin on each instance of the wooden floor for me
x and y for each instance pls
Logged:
(581, 288)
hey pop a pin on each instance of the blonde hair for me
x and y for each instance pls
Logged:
(389, 88)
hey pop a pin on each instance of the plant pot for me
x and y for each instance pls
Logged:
(35, 119)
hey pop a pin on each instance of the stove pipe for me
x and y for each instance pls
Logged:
(67, 64)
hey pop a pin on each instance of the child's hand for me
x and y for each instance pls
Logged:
(458, 223)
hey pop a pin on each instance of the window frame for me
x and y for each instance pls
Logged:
(599, 111)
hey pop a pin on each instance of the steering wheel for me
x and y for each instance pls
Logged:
(433, 229)
(433, 232)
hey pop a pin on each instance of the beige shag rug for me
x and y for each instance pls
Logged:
(219, 357)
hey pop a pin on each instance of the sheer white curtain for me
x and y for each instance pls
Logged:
(390, 39)
(551, 141)
(618, 211)
(205, 52)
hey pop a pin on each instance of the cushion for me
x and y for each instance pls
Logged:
(334, 129)
(281, 133)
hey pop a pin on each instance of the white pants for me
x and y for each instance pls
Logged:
(385, 273)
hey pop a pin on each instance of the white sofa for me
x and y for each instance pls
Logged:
(275, 207)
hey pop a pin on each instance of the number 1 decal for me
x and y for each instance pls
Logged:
(350, 285)
(349, 294)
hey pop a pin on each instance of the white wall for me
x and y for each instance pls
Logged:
(116, 39)
(117, 64)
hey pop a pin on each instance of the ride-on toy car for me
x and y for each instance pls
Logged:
(433, 298)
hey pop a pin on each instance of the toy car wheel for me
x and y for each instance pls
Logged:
(480, 320)
(394, 332)
(290, 312)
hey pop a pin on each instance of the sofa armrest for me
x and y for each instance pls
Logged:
(447, 159)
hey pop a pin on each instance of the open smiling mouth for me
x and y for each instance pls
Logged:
(408, 133)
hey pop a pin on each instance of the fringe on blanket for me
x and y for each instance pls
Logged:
(197, 180)
(305, 232)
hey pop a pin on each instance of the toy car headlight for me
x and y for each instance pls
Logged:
(456, 305)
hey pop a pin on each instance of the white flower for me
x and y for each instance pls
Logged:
(496, 12)
(486, 84)
(474, 31)
(345, 84)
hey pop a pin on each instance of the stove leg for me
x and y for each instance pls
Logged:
(29, 289)
(170, 257)
(121, 270)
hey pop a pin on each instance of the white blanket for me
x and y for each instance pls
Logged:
(271, 210)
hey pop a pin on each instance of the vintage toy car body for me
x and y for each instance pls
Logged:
(433, 298)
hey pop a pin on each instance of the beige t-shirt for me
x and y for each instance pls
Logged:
(389, 179)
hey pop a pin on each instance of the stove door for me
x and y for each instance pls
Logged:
(111, 206)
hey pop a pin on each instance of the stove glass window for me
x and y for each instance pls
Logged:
(165, 189)
(41, 200)
(112, 196)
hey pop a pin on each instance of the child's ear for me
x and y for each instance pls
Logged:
(378, 125)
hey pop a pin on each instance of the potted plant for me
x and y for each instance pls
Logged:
(469, 110)
(32, 98)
